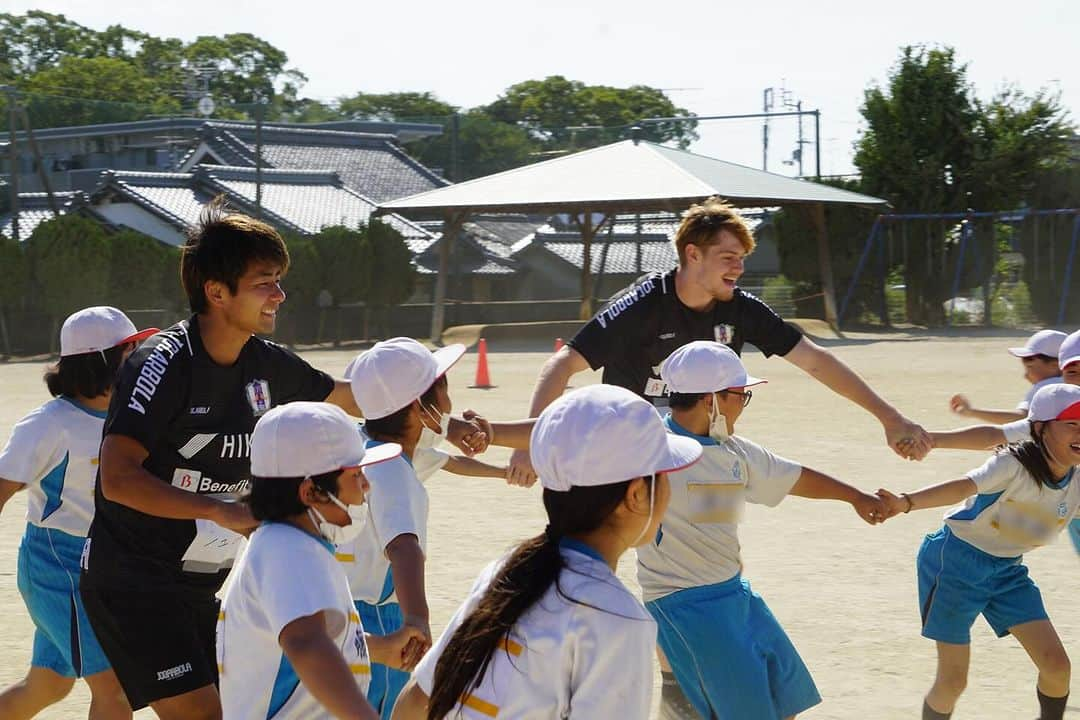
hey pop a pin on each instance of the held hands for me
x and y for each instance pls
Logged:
(400, 647)
(908, 439)
(467, 433)
(959, 404)
(893, 504)
(418, 643)
(869, 507)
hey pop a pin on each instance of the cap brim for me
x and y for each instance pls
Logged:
(380, 453)
(1022, 352)
(1066, 361)
(139, 336)
(445, 357)
(751, 380)
(682, 452)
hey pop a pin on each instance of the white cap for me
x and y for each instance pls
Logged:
(1069, 352)
(395, 372)
(604, 434)
(98, 328)
(1044, 342)
(705, 366)
(1060, 401)
(301, 439)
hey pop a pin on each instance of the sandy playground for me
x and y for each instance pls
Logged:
(844, 591)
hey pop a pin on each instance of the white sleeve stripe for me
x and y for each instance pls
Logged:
(196, 444)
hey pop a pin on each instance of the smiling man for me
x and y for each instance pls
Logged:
(699, 300)
(176, 455)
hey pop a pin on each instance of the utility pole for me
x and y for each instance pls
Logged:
(455, 147)
(13, 161)
(260, 103)
(766, 106)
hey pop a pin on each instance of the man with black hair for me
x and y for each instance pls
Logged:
(175, 457)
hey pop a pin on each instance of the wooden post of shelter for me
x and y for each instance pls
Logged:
(588, 233)
(452, 224)
(828, 288)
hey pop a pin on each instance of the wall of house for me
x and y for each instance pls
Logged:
(132, 216)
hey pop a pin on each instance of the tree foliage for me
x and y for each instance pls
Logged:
(13, 275)
(138, 270)
(930, 146)
(69, 260)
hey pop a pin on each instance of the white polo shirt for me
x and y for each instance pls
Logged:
(698, 542)
(1011, 514)
(428, 461)
(397, 504)
(563, 659)
(1017, 431)
(285, 574)
(1025, 404)
(54, 452)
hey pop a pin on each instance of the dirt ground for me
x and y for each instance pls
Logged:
(844, 591)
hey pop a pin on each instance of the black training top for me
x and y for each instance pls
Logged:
(195, 418)
(643, 324)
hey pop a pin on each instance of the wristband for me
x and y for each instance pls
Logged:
(910, 504)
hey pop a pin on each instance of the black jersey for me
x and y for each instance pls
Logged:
(195, 419)
(643, 324)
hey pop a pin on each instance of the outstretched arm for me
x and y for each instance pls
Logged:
(941, 495)
(819, 486)
(832, 372)
(960, 405)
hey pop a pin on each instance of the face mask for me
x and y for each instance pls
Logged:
(441, 419)
(648, 521)
(717, 422)
(339, 534)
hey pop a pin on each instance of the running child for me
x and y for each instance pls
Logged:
(549, 631)
(730, 656)
(289, 643)
(1040, 358)
(1018, 500)
(53, 455)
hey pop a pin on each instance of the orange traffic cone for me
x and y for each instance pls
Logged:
(558, 344)
(483, 379)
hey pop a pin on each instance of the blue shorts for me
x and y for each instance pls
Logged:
(48, 579)
(1074, 533)
(732, 659)
(386, 682)
(958, 582)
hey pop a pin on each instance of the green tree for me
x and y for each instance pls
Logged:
(549, 108)
(80, 91)
(69, 261)
(341, 254)
(485, 146)
(136, 279)
(391, 277)
(12, 284)
(39, 40)
(246, 66)
(400, 106)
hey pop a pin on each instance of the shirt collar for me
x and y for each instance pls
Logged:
(578, 546)
(678, 429)
(88, 410)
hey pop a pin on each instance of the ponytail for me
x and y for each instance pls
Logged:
(532, 568)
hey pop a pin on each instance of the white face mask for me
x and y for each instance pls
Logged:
(717, 422)
(648, 521)
(339, 534)
(428, 437)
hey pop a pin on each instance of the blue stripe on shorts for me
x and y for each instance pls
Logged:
(958, 582)
(730, 655)
(48, 579)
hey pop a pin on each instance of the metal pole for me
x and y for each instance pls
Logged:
(452, 222)
(1068, 270)
(798, 107)
(13, 161)
(258, 154)
(859, 268)
(53, 205)
(964, 232)
(817, 145)
(455, 148)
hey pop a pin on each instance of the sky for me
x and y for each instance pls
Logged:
(712, 58)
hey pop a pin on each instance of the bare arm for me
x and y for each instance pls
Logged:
(832, 372)
(412, 703)
(389, 649)
(975, 437)
(321, 667)
(550, 384)
(125, 481)
(513, 434)
(960, 405)
(342, 396)
(819, 486)
(8, 488)
(474, 468)
(941, 495)
(407, 568)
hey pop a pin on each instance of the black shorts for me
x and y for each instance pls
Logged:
(160, 643)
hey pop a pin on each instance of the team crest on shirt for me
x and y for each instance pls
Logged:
(724, 333)
(258, 395)
(1063, 510)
